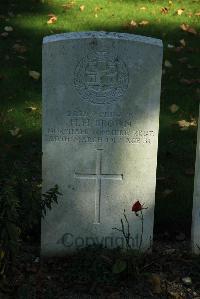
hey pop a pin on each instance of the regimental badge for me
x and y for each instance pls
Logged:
(101, 77)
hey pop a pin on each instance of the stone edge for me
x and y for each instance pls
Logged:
(102, 34)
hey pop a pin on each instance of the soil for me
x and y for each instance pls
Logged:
(169, 271)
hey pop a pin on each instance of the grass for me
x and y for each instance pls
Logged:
(177, 145)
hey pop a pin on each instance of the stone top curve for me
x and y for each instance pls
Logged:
(104, 35)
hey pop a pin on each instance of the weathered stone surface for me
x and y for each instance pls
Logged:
(100, 132)
(196, 200)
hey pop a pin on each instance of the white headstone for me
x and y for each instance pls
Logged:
(196, 200)
(101, 96)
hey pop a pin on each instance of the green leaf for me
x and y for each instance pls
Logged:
(119, 266)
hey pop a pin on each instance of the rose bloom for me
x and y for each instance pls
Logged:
(137, 207)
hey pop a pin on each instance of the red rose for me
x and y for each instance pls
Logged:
(137, 207)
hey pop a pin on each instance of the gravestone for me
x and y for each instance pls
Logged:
(196, 199)
(100, 134)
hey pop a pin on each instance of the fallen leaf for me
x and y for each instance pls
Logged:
(69, 5)
(197, 14)
(4, 34)
(174, 295)
(133, 24)
(170, 2)
(35, 75)
(143, 8)
(186, 124)
(173, 108)
(182, 42)
(169, 251)
(30, 109)
(180, 11)
(19, 48)
(96, 15)
(97, 8)
(144, 23)
(155, 283)
(15, 131)
(52, 19)
(82, 7)
(187, 280)
(167, 64)
(187, 28)
(164, 10)
(8, 28)
(183, 123)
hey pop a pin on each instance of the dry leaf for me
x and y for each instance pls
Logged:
(15, 131)
(182, 42)
(155, 284)
(133, 24)
(174, 108)
(197, 14)
(143, 23)
(4, 34)
(175, 295)
(164, 10)
(187, 28)
(19, 48)
(69, 5)
(8, 28)
(52, 19)
(167, 64)
(180, 11)
(97, 8)
(35, 75)
(82, 7)
(30, 109)
(186, 124)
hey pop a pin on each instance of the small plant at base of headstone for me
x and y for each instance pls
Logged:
(137, 208)
(121, 265)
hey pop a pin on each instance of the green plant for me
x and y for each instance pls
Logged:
(48, 198)
(21, 209)
(9, 228)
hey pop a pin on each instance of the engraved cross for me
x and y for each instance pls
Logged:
(98, 176)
